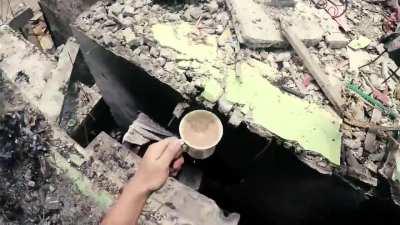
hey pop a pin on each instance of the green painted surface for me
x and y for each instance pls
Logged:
(289, 117)
(178, 37)
(212, 90)
(360, 42)
(102, 198)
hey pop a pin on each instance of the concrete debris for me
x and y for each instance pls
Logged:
(370, 140)
(333, 93)
(21, 19)
(144, 130)
(336, 40)
(257, 26)
(175, 203)
(52, 100)
(194, 51)
(283, 3)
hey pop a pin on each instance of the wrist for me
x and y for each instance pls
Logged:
(138, 187)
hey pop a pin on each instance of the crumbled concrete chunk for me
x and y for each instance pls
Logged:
(129, 11)
(212, 6)
(212, 90)
(337, 40)
(283, 3)
(236, 118)
(224, 106)
(253, 26)
(129, 36)
(116, 9)
(195, 12)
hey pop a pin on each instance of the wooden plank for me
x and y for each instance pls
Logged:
(331, 92)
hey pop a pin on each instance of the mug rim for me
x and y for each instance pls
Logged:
(219, 125)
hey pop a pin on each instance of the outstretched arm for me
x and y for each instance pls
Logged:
(161, 159)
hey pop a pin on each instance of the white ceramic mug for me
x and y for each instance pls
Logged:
(201, 131)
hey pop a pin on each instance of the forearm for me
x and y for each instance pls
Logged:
(127, 209)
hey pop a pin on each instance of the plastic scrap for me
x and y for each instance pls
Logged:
(359, 43)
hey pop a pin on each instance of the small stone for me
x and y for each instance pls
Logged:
(195, 12)
(222, 18)
(352, 143)
(169, 66)
(282, 56)
(236, 118)
(283, 3)
(116, 8)
(224, 106)
(108, 41)
(167, 53)
(171, 17)
(377, 81)
(212, 90)
(212, 6)
(219, 29)
(52, 188)
(155, 52)
(184, 64)
(52, 204)
(129, 11)
(336, 40)
(155, 8)
(128, 35)
(31, 183)
(161, 61)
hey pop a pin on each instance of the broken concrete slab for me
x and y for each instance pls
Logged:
(196, 58)
(80, 108)
(336, 40)
(36, 65)
(21, 19)
(61, 151)
(257, 25)
(288, 117)
(175, 203)
(52, 98)
(253, 26)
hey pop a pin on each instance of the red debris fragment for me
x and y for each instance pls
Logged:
(381, 96)
(307, 80)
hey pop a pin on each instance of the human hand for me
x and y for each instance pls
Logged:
(160, 159)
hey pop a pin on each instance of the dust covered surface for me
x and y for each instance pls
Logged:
(31, 191)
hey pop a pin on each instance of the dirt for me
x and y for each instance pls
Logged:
(31, 191)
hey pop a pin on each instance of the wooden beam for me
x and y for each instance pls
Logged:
(332, 93)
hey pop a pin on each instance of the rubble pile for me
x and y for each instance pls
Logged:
(206, 50)
(30, 190)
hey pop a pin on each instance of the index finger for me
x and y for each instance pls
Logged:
(173, 149)
(158, 148)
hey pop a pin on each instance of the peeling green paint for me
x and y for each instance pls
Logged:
(212, 90)
(101, 198)
(287, 116)
(177, 36)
